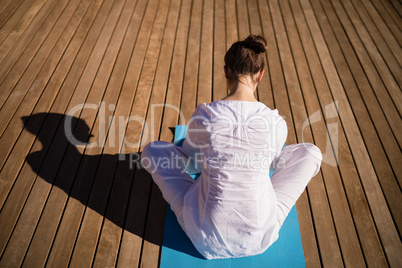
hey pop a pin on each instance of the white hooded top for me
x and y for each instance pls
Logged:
(231, 209)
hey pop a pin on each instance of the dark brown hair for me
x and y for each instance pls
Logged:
(245, 57)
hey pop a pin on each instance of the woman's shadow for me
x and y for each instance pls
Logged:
(103, 182)
(113, 185)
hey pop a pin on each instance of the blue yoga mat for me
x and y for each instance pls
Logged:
(178, 251)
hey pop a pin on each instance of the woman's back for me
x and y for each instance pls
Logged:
(233, 200)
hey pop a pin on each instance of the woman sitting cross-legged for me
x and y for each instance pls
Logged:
(233, 209)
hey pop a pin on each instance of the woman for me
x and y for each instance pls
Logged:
(233, 209)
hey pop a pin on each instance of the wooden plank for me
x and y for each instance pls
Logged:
(130, 248)
(243, 19)
(380, 212)
(5, 4)
(366, 8)
(76, 205)
(325, 230)
(392, 21)
(231, 23)
(40, 245)
(377, 48)
(131, 240)
(326, 236)
(112, 93)
(23, 84)
(35, 88)
(97, 196)
(153, 237)
(26, 177)
(395, 5)
(156, 212)
(370, 243)
(133, 236)
(391, 11)
(14, 12)
(189, 95)
(111, 234)
(255, 21)
(91, 223)
(24, 27)
(204, 93)
(219, 88)
(348, 240)
(231, 28)
(387, 104)
(15, 128)
(311, 252)
(11, 69)
(61, 134)
(247, 24)
(366, 44)
(50, 219)
(6, 29)
(378, 118)
(315, 55)
(384, 152)
(317, 187)
(256, 28)
(9, 36)
(157, 206)
(264, 91)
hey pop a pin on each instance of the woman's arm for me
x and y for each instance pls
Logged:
(195, 141)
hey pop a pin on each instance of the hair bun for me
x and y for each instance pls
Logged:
(257, 43)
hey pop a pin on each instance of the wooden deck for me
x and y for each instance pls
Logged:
(120, 73)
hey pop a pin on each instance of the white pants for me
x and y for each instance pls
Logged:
(294, 168)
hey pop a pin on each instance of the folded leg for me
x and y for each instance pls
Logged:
(294, 168)
(167, 164)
